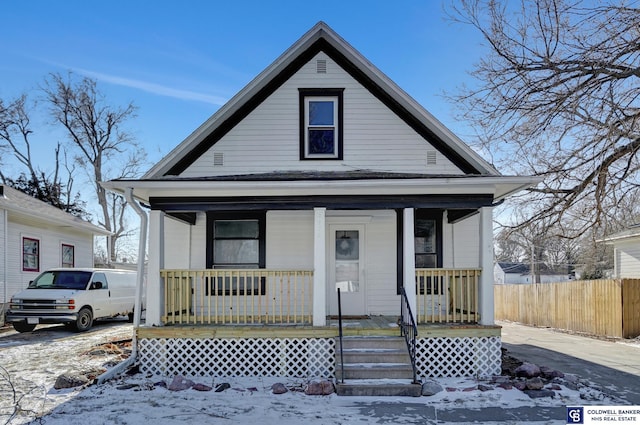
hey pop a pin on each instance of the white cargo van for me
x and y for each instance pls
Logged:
(74, 297)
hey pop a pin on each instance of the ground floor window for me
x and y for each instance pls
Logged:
(236, 240)
(68, 255)
(428, 248)
(30, 255)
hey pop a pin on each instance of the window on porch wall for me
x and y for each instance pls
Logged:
(428, 249)
(236, 241)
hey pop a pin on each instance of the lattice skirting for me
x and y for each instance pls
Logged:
(295, 357)
(306, 357)
(464, 356)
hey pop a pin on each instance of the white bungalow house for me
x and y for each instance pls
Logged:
(320, 174)
(35, 236)
(626, 252)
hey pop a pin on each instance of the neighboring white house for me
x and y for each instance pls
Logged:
(35, 236)
(321, 174)
(626, 252)
(517, 273)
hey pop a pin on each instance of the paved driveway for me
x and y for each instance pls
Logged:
(613, 366)
(31, 362)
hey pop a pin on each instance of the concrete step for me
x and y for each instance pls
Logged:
(367, 355)
(375, 371)
(379, 388)
(374, 342)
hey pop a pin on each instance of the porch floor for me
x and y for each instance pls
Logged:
(360, 326)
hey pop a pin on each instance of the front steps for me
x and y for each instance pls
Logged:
(375, 366)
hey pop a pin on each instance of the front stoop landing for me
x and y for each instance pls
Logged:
(375, 366)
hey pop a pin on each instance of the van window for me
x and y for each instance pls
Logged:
(100, 277)
(61, 280)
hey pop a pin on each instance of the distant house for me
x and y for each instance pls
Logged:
(517, 273)
(35, 236)
(321, 174)
(626, 254)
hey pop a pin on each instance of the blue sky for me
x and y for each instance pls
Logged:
(178, 61)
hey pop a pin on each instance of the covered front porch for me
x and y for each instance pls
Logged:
(285, 297)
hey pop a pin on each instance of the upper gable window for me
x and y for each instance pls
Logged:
(321, 124)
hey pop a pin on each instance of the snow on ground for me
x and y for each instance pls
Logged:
(33, 361)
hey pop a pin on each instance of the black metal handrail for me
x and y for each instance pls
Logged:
(340, 336)
(409, 330)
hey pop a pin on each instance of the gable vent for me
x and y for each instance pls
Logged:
(431, 157)
(218, 159)
(321, 66)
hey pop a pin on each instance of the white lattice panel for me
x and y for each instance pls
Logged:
(452, 357)
(295, 357)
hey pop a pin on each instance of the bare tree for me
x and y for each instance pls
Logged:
(558, 96)
(103, 147)
(15, 132)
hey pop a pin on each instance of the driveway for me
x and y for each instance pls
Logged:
(31, 362)
(610, 365)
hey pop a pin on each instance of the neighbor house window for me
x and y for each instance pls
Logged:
(30, 255)
(68, 255)
(236, 241)
(321, 124)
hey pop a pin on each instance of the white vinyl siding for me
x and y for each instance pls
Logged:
(627, 258)
(51, 240)
(461, 243)
(268, 139)
(177, 236)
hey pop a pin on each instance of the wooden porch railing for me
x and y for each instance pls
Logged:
(447, 295)
(238, 296)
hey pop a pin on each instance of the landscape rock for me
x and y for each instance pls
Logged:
(540, 393)
(520, 385)
(548, 373)
(201, 387)
(67, 380)
(505, 385)
(527, 370)
(180, 383)
(430, 388)
(221, 387)
(320, 388)
(484, 388)
(279, 388)
(535, 384)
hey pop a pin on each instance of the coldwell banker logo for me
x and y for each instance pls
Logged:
(575, 415)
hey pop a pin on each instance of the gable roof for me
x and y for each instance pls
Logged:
(321, 38)
(17, 202)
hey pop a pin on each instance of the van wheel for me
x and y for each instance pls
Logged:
(84, 320)
(23, 327)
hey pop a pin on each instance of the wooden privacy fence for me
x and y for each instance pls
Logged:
(606, 307)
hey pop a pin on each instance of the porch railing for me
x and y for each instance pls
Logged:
(447, 295)
(408, 330)
(238, 296)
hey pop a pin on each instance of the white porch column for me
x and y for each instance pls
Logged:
(409, 260)
(319, 267)
(155, 294)
(485, 292)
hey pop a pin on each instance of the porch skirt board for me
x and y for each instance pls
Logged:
(306, 357)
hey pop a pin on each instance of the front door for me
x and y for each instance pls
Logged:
(346, 269)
